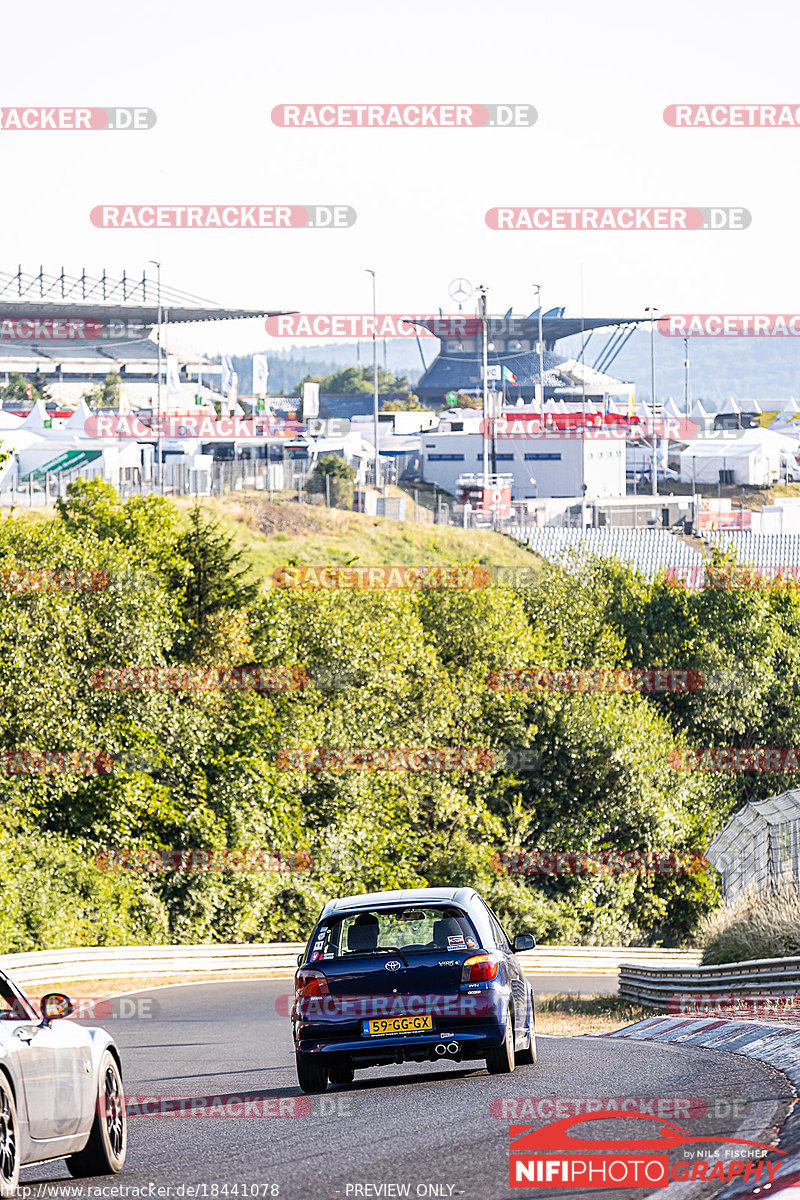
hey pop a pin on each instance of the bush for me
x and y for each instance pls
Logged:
(759, 925)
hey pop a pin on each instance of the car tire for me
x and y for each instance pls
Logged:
(500, 1061)
(104, 1153)
(311, 1076)
(527, 1057)
(9, 1140)
(340, 1074)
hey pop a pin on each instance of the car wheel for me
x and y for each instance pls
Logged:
(527, 1057)
(104, 1153)
(341, 1073)
(311, 1076)
(500, 1061)
(9, 1140)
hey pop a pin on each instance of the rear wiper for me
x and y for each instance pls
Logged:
(381, 950)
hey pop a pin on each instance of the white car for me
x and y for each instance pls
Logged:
(60, 1090)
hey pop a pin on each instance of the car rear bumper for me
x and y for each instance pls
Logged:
(472, 1042)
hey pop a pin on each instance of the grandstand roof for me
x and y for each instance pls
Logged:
(554, 327)
(147, 314)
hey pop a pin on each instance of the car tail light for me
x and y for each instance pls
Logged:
(308, 982)
(479, 968)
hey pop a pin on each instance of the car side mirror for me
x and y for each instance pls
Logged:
(55, 1005)
(524, 941)
(299, 960)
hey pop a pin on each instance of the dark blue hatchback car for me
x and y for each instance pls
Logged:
(410, 976)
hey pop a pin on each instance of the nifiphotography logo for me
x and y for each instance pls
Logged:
(548, 1157)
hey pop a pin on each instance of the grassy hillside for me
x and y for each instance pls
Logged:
(273, 534)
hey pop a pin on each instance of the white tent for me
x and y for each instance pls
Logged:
(37, 420)
(699, 417)
(754, 459)
(730, 405)
(77, 422)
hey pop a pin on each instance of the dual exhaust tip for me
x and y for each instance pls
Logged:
(450, 1048)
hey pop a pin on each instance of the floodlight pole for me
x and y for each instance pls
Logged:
(654, 470)
(157, 265)
(538, 287)
(485, 372)
(375, 379)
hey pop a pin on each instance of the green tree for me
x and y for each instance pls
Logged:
(214, 579)
(107, 393)
(351, 381)
(22, 389)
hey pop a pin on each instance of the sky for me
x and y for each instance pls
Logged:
(598, 75)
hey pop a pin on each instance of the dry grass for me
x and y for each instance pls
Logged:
(275, 534)
(759, 925)
(570, 1015)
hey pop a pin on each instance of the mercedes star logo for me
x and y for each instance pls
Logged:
(460, 290)
(393, 964)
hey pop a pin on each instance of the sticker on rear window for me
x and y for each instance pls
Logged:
(456, 942)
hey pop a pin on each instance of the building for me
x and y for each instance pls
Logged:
(542, 462)
(74, 330)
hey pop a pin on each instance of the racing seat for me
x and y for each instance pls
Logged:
(363, 933)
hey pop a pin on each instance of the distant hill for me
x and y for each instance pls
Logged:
(747, 368)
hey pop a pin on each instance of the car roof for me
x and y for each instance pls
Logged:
(436, 895)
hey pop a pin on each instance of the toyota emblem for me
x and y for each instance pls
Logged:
(393, 964)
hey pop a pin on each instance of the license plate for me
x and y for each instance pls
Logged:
(386, 1026)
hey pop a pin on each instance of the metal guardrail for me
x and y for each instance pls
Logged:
(119, 962)
(653, 986)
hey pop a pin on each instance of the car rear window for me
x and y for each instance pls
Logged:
(417, 928)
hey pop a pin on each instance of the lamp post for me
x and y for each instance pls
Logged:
(485, 374)
(157, 265)
(538, 287)
(375, 379)
(654, 470)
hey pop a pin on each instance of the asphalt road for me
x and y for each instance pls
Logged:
(427, 1128)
